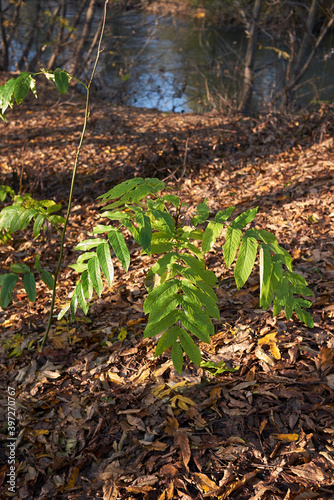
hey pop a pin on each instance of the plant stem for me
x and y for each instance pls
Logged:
(69, 205)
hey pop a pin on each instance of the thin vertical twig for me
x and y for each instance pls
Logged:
(69, 205)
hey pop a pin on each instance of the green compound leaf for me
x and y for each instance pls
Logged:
(154, 329)
(103, 254)
(177, 357)
(190, 348)
(245, 261)
(7, 286)
(118, 244)
(62, 79)
(159, 294)
(231, 245)
(167, 340)
(211, 233)
(30, 286)
(94, 274)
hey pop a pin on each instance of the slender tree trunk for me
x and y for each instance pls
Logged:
(253, 30)
(84, 35)
(4, 43)
(53, 59)
(23, 62)
(304, 57)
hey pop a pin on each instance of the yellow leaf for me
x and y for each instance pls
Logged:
(267, 339)
(289, 438)
(73, 479)
(186, 400)
(122, 334)
(275, 350)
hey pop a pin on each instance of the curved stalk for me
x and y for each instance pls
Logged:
(69, 205)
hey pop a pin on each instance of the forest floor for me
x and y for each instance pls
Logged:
(97, 416)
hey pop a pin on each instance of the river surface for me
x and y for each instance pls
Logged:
(175, 63)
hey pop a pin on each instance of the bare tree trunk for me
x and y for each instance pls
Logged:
(304, 57)
(53, 59)
(23, 62)
(4, 43)
(253, 30)
(84, 35)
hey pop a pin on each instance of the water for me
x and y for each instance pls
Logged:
(174, 63)
(177, 64)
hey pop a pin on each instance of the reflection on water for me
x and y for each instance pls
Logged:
(173, 63)
(176, 64)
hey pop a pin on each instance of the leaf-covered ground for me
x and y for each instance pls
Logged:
(97, 415)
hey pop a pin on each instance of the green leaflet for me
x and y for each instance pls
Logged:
(194, 328)
(203, 213)
(19, 268)
(47, 278)
(189, 347)
(197, 267)
(198, 316)
(73, 304)
(30, 286)
(23, 84)
(118, 244)
(245, 261)
(177, 357)
(94, 274)
(171, 198)
(89, 244)
(87, 285)
(162, 264)
(79, 293)
(120, 189)
(200, 298)
(223, 215)
(167, 340)
(164, 308)
(231, 245)
(154, 329)
(289, 304)
(269, 286)
(304, 316)
(7, 286)
(103, 254)
(7, 96)
(39, 221)
(245, 218)
(211, 233)
(159, 294)
(162, 221)
(61, 79)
